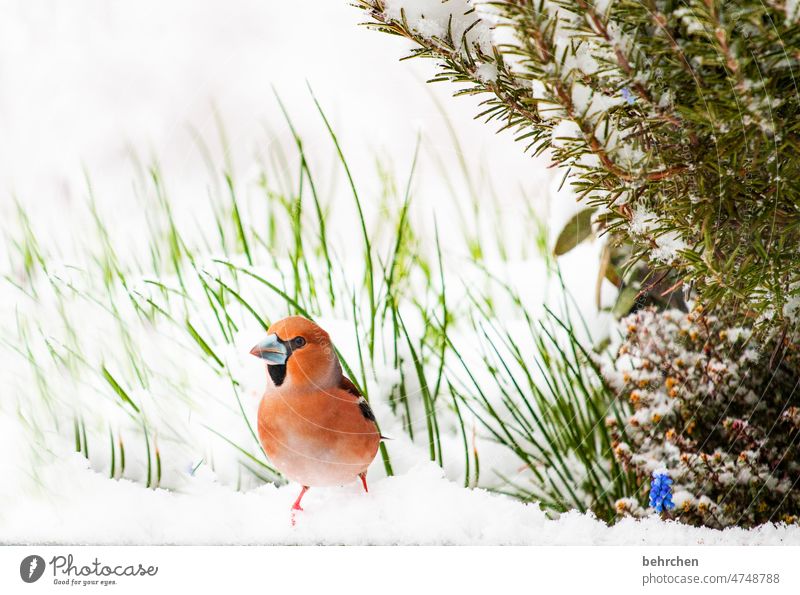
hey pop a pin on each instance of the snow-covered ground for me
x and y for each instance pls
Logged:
(90, 87)
(417, 507)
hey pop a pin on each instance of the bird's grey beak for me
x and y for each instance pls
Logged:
(271, 349)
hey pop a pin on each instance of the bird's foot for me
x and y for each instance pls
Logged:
(296, 506)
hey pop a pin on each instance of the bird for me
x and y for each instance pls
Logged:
(314, 424)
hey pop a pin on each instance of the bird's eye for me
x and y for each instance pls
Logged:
(298, 342)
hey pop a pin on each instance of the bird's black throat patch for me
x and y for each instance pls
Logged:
(277, 372)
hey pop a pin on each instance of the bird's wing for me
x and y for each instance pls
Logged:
(347, 385)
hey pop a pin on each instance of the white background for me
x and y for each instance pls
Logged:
(404, 570)
(85, 83)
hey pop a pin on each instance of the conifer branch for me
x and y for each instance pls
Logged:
(677, 119)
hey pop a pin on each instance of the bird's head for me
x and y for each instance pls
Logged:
(298, 352)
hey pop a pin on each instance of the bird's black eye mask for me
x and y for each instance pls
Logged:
(278, 371)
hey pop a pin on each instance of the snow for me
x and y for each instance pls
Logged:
(791, 309)
(694, 26)
(434, 18)
(602, 6)
(486, 72)
(667, 247)
(564, 133)
(418, 507)
(642, 220)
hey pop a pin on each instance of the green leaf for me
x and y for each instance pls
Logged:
(203, 345)
(118, 388)
(625, 301)
(575, 231)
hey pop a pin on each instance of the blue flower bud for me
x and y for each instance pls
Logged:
(661, 492)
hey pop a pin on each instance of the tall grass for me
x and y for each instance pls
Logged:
(551, 410)
(142, 349)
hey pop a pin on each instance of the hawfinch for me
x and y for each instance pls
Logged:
(315, 426)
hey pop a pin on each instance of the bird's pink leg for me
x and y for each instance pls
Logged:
(363, 477)
(296, 505)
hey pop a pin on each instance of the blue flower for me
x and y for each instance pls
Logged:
(628, 96)
(661, 492)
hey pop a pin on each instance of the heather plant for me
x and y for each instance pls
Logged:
(675, 123)
(716, 410)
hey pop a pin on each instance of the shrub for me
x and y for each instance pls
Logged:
(719, 412)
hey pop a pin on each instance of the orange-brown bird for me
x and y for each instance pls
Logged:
(315, 426)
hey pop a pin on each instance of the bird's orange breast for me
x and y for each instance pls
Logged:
(317, 437)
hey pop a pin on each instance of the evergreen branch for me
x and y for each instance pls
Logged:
(679, 120)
